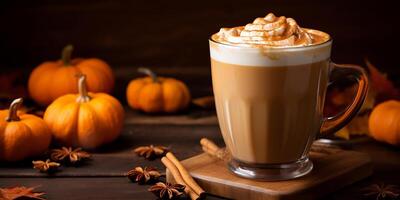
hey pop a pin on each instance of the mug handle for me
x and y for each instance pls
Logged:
(334, 123)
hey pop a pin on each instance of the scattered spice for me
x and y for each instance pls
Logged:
(19, 193)
(45, 166)
(167, 190)
(150, 152)
(142, 176)
(68, 155)
(382, 191)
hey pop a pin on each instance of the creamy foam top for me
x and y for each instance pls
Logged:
(270, 31)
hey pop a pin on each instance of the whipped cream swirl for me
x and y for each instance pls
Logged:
(271, 31)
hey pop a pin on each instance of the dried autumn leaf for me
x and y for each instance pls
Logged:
(379, 82)
(369, 101)
(359, 125)
(20, 192)
(343, 133)
(68, 155)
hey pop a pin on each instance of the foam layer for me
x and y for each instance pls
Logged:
(269, 57)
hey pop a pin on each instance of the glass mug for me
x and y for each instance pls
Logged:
(270, 105)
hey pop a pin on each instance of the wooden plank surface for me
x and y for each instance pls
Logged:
(332, 170)
(193, 116)
(84, 188)
(80, 183)
(118, 158)
(386, 161)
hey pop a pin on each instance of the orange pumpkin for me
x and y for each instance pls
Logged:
(53, 79)
(154, 94)
(21, 135)
(86, 120)
(384, 122)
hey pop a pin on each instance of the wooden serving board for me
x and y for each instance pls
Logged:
(333, 169)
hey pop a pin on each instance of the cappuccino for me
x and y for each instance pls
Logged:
(269, 81)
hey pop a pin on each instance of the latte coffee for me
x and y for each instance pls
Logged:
(269, 80)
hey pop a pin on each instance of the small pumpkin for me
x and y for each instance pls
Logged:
(155, 94)
(86, 119)
(53, 79)
(384, 122)
(22, 135)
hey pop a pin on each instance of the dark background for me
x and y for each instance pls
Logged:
(174, 33)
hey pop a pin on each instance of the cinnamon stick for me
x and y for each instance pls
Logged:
(212, 149)
(178, 178)
(209, 145)
(185, 175)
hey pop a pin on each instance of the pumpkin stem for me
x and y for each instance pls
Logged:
(12, 112)
(148, 72)
(82, 88)
(66, 54)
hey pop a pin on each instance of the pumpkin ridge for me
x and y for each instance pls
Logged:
(106, 122)
(85, 136)
(138, 93)
(186, 92)
(28, 129)
(72, 128)
(169, 98)
(153, 99)
(74, 134)
(17, 143)
(131, 98)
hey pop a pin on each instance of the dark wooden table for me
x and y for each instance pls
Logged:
(103, 176)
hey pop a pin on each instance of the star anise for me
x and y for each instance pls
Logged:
(382, 191)
(19, 193)
(142, 176)
(45, 166)
(150, 152)
(68, 155)
(167, 190)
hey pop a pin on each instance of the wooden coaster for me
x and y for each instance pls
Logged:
(333, 169)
